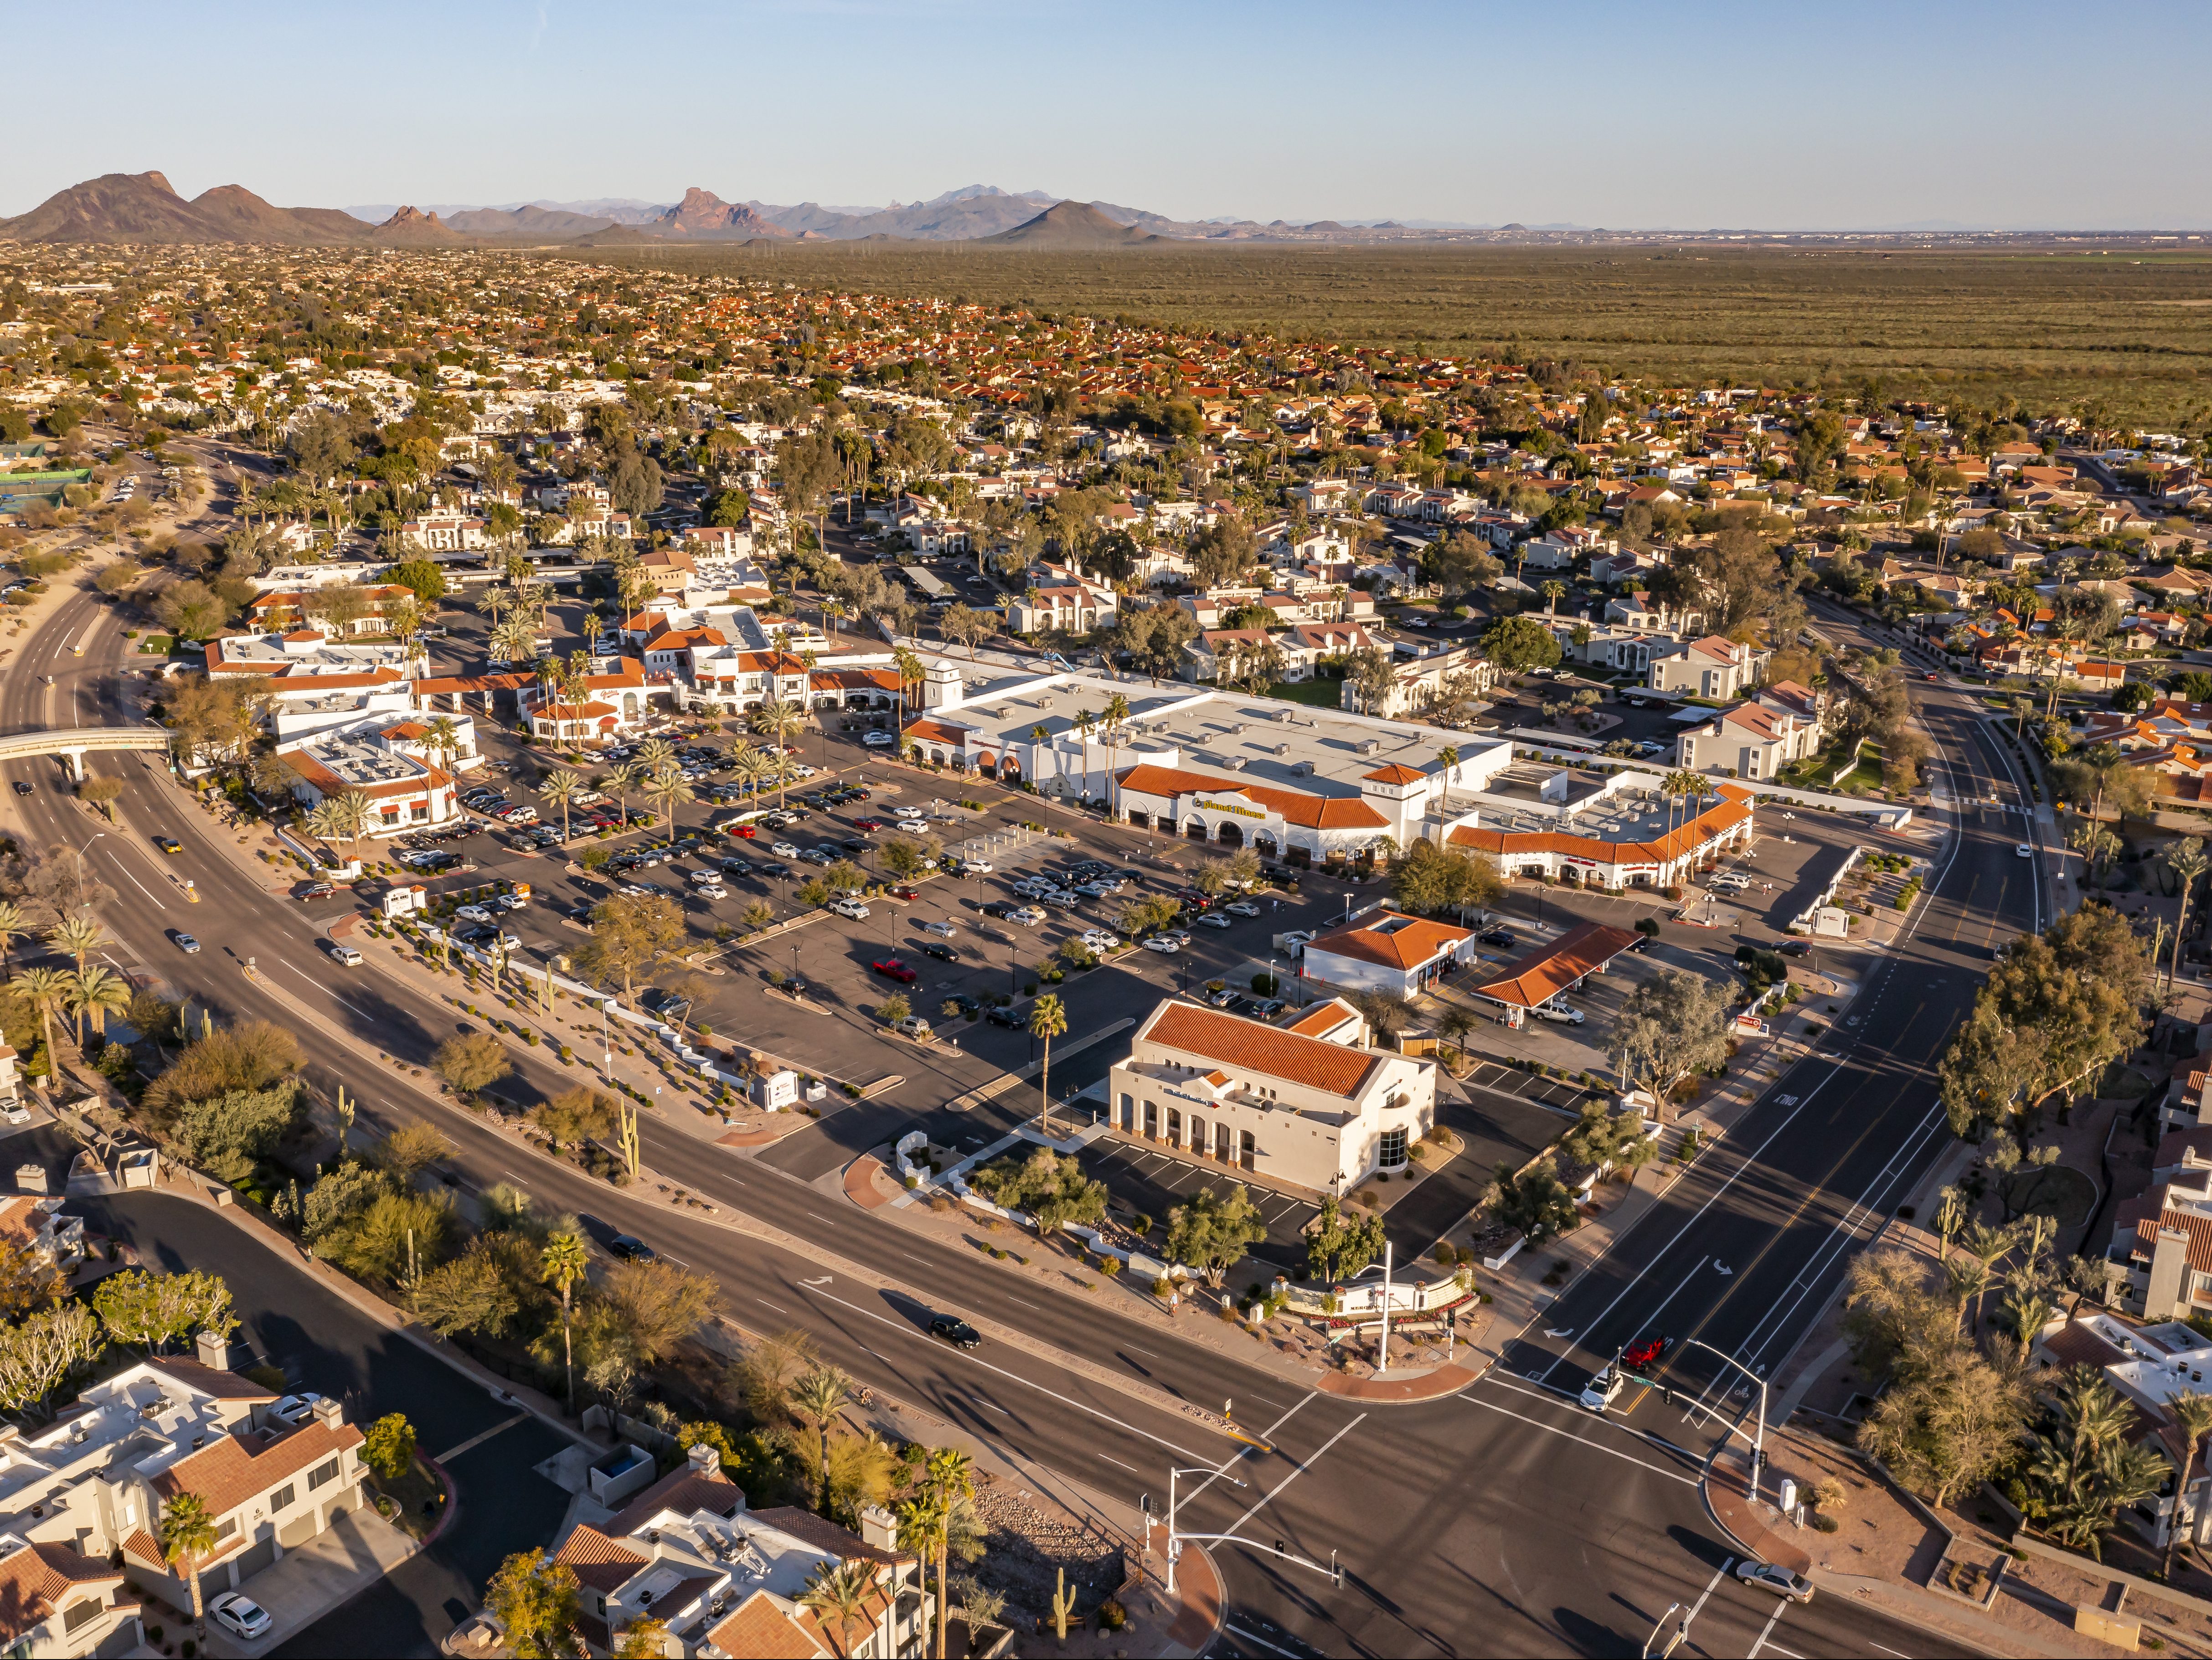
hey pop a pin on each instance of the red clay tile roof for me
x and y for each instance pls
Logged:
(2078, 1345)
(35, 1580)
(1677, 843)
(1323, 1018)
(1294, 806)
(243, 1465)
(1544, 973)
(603, 1564)
(1414, 942)
(760, 1630)
(1251, 1046)
(1395, 774)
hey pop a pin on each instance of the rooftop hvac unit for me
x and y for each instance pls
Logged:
(1237, 729)
(1369, 745)
(1234, 763)
(1286, 714)
(1282, 749)
(1301, 769)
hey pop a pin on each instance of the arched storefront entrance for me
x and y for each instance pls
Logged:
(1140, 821)
(1196, 829)
(1264, 845)
(1232, 834)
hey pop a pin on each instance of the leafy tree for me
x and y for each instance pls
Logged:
(388, 1448)
(470, 1293)
(582, 1114)
(1340, 1243)
(379, 1242)
(1949, 1424)
(39, 1354)
(654, 1306)
(643, 1639)
(1673, 1027)
(2057, 1009)
(1212, 1234)
(471, 1062)
(1518, 644)
(1427, 878)
(1534, 1201)
(28, 1279)
(534, 1600)
(152, 1310)
(252, 1055)
(229, 1136)
(1369, 673)
(818, 1398)
(631, 934)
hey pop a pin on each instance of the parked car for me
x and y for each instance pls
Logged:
(295, 1409)
(1163, 945)
(240, 1615)
(975, 866)
(1242, 908)
(1012, 1017)
(1558, 1012)
(473, 914)
(1213, 920)
(914, 1026)
(850, 908)
(1029, 916)
(878, 740)
(891, 968)
(1099, 940)
(1501, 938)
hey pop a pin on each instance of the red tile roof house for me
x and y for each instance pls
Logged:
(1304, 1102)
(727, 1580)
(90, 1488)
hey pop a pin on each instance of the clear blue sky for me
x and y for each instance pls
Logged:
(1878, 115)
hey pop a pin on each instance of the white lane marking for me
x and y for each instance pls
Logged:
(1303, 1465)
(1244, 1452)
(1772, 1621)
(1244, 1636)
(1750, 1159)
(1108, 1457)
(1014, 1377)
(513, 1178)
(1697, 1606)
(911, 1257)
(1553, 1429)
(765, 1304)
(1504, 1381)
(481, 1436)
(135, 882)
(324, 985)
(1024, 1303)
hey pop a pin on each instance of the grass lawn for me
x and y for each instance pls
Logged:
(1321, 694)
(155, 645)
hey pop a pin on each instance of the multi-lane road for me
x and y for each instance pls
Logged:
(1503, 1521)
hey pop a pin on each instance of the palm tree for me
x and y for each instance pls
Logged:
(2192, 1414)
(561, 1265)
(2188, 861)
(622, 778)
(445, 741)
(781, 722)
(749, 765)
(188, 1536)
(1039, 737)
(80, 936)
(923, 1530)
(494, 600)
(664, 790)
(912, 671)
(1551, 592)
(594, 625)
(513, 641)
(1085, 723)
(46, 990)
(12, 927)
(97, 994)
(560, 788)
(950, 1478)
(656, 755)
(351, 814)
(817, 1397)
(1047, 1020)
(840, 1594)
(1117, 717)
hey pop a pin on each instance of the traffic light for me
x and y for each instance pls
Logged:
(1761, 1456)
(1278, 1547)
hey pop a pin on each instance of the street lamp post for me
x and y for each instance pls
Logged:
(1759, 1438)
(82, 903)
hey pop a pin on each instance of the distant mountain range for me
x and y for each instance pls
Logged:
(142, 207)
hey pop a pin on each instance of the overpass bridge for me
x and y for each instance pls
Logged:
(76, 742)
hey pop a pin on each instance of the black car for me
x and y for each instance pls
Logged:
(1007, 1018)
(1001, 910)
(22, 789)
(967, 1005)
(1502, 937)
(631, 1248)
(942, 953)
(956, 1331)
(776, 869)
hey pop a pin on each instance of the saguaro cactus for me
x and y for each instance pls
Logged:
(1063, 1604)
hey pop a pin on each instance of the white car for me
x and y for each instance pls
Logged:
(1099, 939)
(1161, 944)
(473, 914)
(910, 812)
(1242, 908)
(976, 867)
(942, 930)
(512, 902)
(1603, 1389)
(711, 891)
(1730, 882)
(878, 740)
(1772, 1576)
(2024, 851)
(1214, 919)
(1029, 916)
(785, 850)
(851, 908)
(916, 1027)
(295, 1409)
(1555, 1011)
(240, 1615)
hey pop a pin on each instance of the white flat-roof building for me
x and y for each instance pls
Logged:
(1305, 1101)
